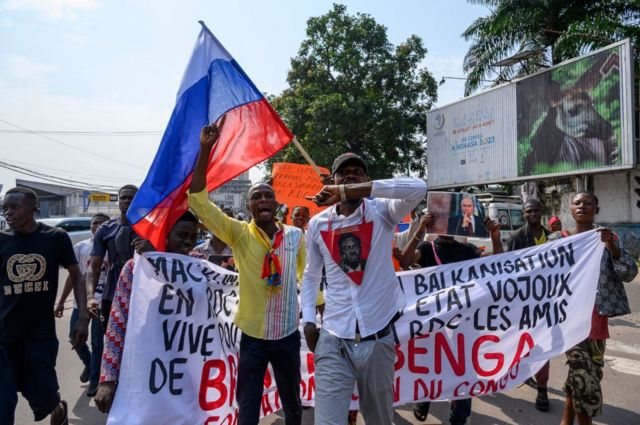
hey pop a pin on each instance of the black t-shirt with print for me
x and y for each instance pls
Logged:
(448, 252)
(29, 266)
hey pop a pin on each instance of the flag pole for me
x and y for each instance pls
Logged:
(306, 156)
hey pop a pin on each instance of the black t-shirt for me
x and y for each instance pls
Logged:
(29, 266)
(448, 252)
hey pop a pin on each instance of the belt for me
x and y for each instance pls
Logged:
(380, 334)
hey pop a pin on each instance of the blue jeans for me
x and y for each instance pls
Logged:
(90, 359)
(284, 356)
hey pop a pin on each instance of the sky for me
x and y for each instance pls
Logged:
(100, 77)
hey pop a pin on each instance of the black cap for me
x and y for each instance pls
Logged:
(346, 159)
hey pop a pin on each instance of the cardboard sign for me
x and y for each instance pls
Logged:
(292, 182)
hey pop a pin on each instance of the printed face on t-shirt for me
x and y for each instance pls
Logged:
(350, 249)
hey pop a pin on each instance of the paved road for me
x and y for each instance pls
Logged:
(621, 377)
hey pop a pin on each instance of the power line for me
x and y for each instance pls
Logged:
(71, 146)
(83, 133)
(71, 174)
(55, 179)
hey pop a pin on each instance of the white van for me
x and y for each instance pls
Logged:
(504, 209)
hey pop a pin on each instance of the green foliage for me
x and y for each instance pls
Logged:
(558, 29)
(350, 89)
(605, 97)
(561, 167)
(524, 144)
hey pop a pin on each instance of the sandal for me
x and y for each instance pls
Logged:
(421, 411)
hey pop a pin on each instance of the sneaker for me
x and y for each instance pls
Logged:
(84, 376)
(542, 401)
(92, 390)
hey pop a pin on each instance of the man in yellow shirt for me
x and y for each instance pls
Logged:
(270, 259)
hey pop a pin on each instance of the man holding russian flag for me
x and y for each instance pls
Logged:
(270, 257)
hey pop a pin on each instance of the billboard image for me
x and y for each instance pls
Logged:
(467, 140)
(573, 118)
(569, 117)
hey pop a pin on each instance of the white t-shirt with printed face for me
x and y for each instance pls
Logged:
(83, 254)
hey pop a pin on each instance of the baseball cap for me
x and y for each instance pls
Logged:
(345, 159)
(553, 220)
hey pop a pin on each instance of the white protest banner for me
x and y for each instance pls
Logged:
(482, 326)
(469, 329)
(181, 357)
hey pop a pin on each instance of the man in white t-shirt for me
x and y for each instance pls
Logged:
(90, 358)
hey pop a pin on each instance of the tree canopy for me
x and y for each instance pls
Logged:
(351, 90)
(557, 29)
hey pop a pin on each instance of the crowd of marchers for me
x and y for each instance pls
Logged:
(342, 262)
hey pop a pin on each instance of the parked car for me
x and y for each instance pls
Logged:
(78, 228)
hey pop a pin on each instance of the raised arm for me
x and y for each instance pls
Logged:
(493, 228)
(405, 194)
(410, 255)
(224, 227)
(209, 136)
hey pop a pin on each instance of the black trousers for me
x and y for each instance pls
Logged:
(284, 356)
(28, 367)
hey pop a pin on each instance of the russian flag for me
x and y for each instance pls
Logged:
(213, 85)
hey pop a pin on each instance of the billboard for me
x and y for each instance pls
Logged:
(573, 118)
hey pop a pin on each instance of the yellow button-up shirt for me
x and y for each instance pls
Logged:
(263, 312)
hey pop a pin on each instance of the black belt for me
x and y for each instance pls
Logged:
(380, 334)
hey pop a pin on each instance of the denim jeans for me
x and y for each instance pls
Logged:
(81, 350)
(284, 356)
(93, 358)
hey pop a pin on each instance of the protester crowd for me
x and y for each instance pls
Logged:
(287, 273)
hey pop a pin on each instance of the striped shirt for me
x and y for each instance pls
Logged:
(263, 312)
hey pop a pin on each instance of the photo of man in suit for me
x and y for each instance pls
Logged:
(466, 224)
(350, 252)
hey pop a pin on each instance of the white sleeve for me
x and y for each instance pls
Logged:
(404, 194)
(82, 260)
(311, 278)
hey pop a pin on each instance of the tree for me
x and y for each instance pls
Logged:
(351, 90)
(557, 29)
